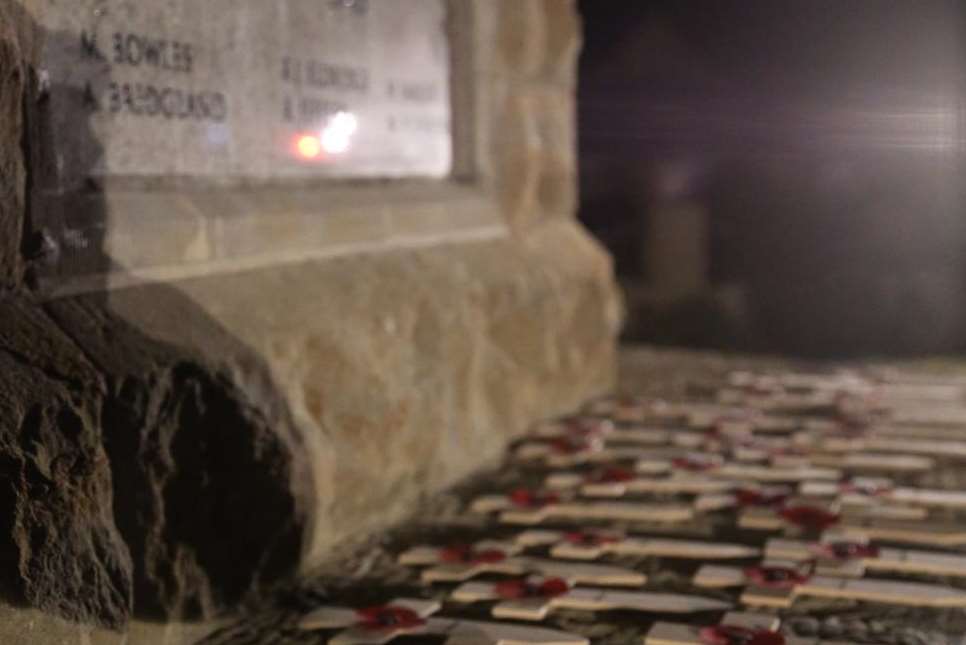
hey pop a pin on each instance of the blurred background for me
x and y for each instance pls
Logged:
(780, 175)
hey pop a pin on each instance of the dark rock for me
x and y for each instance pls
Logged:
(12, 173)
(59, 547)
(135, 477)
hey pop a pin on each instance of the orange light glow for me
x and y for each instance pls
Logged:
(308, 146)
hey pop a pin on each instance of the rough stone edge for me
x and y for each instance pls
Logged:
(567, 266)
(13, 178)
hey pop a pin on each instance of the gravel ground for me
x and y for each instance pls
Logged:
(365, 573)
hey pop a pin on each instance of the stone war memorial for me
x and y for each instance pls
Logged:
(271, 272)
(302, 341)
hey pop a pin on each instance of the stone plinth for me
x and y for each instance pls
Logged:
(237, 377)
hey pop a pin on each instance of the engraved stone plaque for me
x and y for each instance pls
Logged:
(245, 89)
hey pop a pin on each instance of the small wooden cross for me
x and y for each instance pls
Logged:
(633, 409)
(778, 471)
(534, 598)
(563, 453)
(838, 556)
(906, 446)
(938, 534)
(617, 482)
(459, 563)
(528, 507)
(864, 491)
(778, 583)
(404, 617)
(775, 398)
(590, 545)
(928, 415)
(605, 430)
(735, 419)
(809, 515)
(862, 462)
(736, 628)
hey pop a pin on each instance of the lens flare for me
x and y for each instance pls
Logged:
(308, 146)
(336, 137)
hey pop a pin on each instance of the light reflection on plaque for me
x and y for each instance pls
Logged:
(331, 142)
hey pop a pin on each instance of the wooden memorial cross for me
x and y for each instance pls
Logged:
(773, 397)
(837, 556)
(860, 462)
(903, 445)
(714, 466)
(861, 491)
(735, 628)
(778, 583)
(404, 617)
(887, 431)
(616, 482)
(574, 427)
(928, 415)
(567, 451)
(529, 507)
(605, 431)
(459, 563)
(590, 545)
(534, 598)
(637, 444)
(810, 515)
(736, 419)
(800, 382)
(855, 527)
(634, 409)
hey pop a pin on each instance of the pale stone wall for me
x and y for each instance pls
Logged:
(281, 388)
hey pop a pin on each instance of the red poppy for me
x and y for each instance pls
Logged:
(847, 550)
(734, 635)
(520, 588)
(590, 538)
(809, 517)
(611, 476)
(775, 577)
(569, 446)
(463, 553)
(532, 499)
(389, 617)
(749, 497)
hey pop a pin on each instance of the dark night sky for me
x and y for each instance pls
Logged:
(719, 64)
(825, 138)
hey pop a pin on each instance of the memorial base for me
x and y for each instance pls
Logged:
(194, 441)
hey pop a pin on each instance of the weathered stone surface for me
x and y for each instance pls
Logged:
(60, 549)
(207, 439)
(405, 371)
(133, 470)
(21, 625)
(529, 95)
(193, 462)
(168, 448)
(12, 174)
